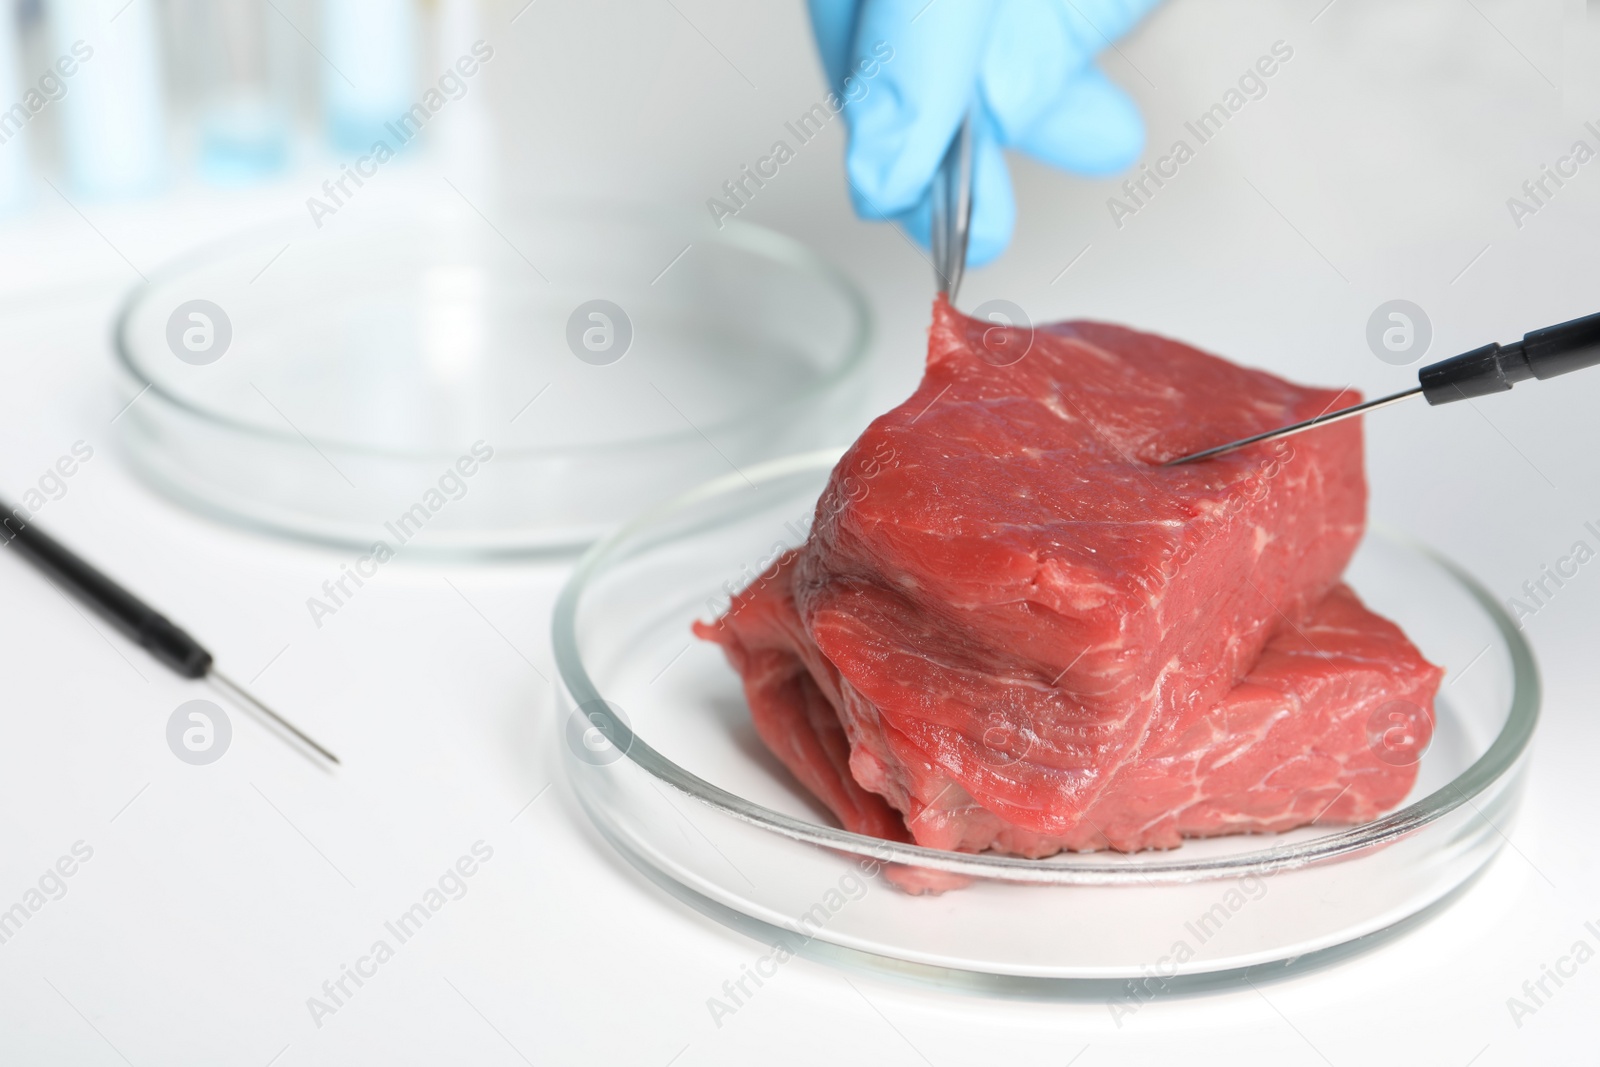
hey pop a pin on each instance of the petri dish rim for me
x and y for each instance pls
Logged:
(1024, 986)
(1500, 759)
(736, 234)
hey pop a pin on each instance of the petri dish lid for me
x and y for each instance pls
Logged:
(509, 386)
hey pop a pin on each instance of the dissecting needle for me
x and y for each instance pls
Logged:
(1494, 368)
(140, 622)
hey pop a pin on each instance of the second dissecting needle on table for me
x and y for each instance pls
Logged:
(134, 618)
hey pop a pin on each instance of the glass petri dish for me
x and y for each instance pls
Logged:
(604, 358)
(659, 746)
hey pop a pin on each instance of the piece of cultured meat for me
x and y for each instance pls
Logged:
(1014, 612)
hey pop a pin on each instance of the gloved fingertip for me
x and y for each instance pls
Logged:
(833, 24)
(985, 250)
(992, 227)
(994, 205)
(1094, 128)
(918, 223)
(892, 155)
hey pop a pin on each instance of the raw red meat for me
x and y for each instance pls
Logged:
(793, 696)
(1020, 620)
(1290, 745)
(1300, 740)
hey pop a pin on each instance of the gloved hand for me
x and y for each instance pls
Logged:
(1026, 63)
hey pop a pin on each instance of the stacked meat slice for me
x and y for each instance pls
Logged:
(1011, 628)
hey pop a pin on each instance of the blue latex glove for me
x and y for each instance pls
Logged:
(1028, 64)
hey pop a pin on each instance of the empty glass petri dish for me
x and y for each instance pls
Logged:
(432, 379)
(659, 746)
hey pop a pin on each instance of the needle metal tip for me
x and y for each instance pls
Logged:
(1300, 427)
(240, 693)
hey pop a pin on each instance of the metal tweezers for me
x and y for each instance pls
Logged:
(952, 211)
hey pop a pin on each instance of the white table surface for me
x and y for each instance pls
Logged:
(218, 899)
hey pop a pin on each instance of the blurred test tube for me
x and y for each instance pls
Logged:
(245, 95)
(112, 129)
(466, 138)
(13, 136)
(370, 46)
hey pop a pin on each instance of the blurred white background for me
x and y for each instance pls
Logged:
(1377, 166)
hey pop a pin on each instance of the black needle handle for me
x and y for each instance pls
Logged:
(153, 631)
(1495, 368)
